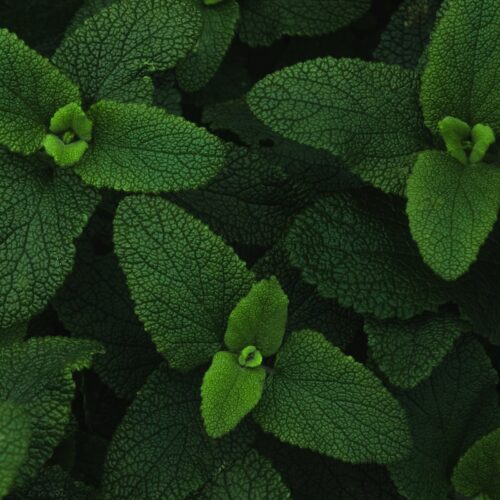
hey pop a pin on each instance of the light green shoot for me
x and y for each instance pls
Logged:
(482, 138)
(250, 357)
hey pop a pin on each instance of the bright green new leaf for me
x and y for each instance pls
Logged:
(72, 118)
(31, 91)
(42, 210)
(448, 412)
(15, 435)
(228, 393)
(358, 249)
(64, 154)
(321, 399)
(367, 113)
(478, 471)
(482, 138)
(259, 319)
(161, 450)
(184, 280)
(264, 21)
(455, 133)
(144, 149)
(95, 303)
(408, 351)
(219, 23)
(250, 357)
(451, 208)
(37, 375)
(461, 76)
(250, 477)
(109, 54)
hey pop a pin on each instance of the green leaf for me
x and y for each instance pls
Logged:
(64, 155)
(42, 210)
(71, 117)
(455, 133)
(482, 138)
(478, 471)
(306, 309)
(367, 113)
(228, 393)
(447, 413)
(264, 21)
(37, 375)
(321, 399)
(161, 450)
(259, 319)
(357, 249)
(200, 65)
(251, 476)
(408, 351)
(95, 303)
(406, 37)
(14, 333)
(54, 483)
(143, 149)
(109, 54)
(461, 77)
(184, 280)
(15, 435)
(451, 208)
(31, 91)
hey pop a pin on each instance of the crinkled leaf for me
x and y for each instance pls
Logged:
(321, 399)
(144, 149)
(250, 477)
(259, 319)
(408, 351)
(367, 113)
(357, 249)
(200, 65)
(42, 210)
(160, 449)
(54, 483)
(31, 91)
(109, 54)
(478, 471)
(15, 435)
(184, 280)
(461, 78)
(37, 375)
(447, 413)
(406, 37)
(264, 21)
(306, 309)
(451, 208)
(95, 303)
(228, 393)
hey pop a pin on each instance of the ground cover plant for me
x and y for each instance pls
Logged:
(249, 249)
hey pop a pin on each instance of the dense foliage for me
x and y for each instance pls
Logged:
(249, 249)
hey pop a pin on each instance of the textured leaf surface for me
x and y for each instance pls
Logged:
(264, 21)
(478, 471)
(259, 319)
(335, 104)
(229, 392)
(451, 208)
(447, 413)
(109, 54)
(161, 449)
(408, 351)
(306, 309)
(321, 399)
(31, 91)
(36, 375)
(54, 483)
(42, 210)
(251, 477)
(464, 53)
(15, 435)
(14, 333)
(95, 303)
(407, 34)
(357, 249)
(184, 280)
(200, 65)
(143, 149)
